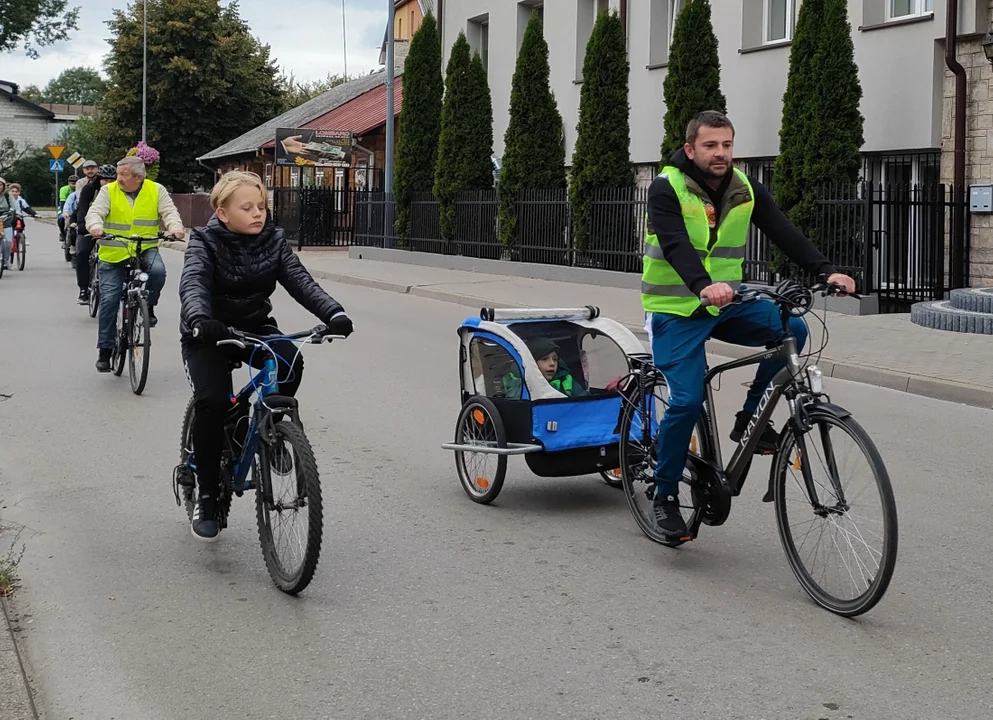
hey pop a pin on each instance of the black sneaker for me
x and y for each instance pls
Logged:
(103, 360)
(769, 440)
(203, 525)
(84, 297)
(152, 320)
(668, 517)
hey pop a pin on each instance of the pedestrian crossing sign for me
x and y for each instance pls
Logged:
(56, 166)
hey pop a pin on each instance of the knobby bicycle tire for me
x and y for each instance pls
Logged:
(186, 442)
(290, 581)
(138, 368)
(875, 591)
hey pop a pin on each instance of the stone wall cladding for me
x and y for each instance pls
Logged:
(978, 147)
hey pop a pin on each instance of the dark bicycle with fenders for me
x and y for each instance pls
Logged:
(264, 441)
(133, 337)
(812, 439)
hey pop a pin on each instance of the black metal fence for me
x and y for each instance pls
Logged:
(890, 238)
(323, 215)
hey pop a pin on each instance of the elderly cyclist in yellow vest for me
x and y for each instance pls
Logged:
(129, 206)
(699, 211)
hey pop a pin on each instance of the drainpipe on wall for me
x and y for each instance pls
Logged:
(956, 249)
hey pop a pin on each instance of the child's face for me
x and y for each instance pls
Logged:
(15, 192)
(245, 211)
(549, 365)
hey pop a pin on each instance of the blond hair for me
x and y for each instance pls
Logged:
(233, 180)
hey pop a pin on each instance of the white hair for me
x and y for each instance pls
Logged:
(134, 164)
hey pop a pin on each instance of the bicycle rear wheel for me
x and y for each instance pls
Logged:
(838, 519)
(22, 251)
(639, 458)
(139, 345)
(287, 496)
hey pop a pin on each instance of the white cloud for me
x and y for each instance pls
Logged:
(305, 37)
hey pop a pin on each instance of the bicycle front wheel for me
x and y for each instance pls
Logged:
(289, 507)
(22, 252)
(139, 345)
(118, 357)
(840, 540)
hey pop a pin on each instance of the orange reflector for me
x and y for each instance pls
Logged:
(693, 445)
(482, 483)
(796, 461)
(479, 417)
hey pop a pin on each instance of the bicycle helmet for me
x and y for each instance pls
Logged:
(107, 172)
(72, 179)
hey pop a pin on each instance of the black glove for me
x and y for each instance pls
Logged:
(340, 324)
(210, 331)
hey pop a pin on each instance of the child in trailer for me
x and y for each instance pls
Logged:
(546, 355)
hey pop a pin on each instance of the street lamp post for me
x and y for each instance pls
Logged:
(144, 73)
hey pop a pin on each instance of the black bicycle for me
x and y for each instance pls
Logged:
(133, 339)
(815, 513)
(265, 443)
(94, 303)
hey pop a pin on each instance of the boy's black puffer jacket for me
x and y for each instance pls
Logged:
(230, 277)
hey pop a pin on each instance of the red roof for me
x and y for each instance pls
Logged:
(359, 115)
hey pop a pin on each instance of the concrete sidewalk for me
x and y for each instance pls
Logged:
(882, 350)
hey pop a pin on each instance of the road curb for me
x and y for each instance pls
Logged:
(18, 700)
(923, 386)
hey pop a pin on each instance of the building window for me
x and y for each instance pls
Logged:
(602, 6)
(268, 174)
(897, 9)
(779, 18)
(662, 23)
(525, 9)
(478, 35)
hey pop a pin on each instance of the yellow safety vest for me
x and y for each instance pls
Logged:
(718, 235)
(141, 219)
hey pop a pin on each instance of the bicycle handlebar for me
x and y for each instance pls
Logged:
(239, 339)
(784, 299)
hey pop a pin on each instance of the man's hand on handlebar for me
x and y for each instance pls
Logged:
(210, 331)
(843, 281)
(718, 295)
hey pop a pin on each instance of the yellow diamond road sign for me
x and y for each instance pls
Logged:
(56, 150)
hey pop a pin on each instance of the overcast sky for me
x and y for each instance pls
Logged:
(305, 37)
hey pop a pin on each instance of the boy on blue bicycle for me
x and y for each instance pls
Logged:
(231, 269)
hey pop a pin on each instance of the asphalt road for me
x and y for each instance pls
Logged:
(549, 604)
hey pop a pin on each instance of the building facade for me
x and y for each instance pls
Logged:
(31, 124)
(899, 49)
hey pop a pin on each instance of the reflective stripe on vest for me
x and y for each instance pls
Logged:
(720, 248)
(141, 219)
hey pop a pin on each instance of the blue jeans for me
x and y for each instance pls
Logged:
(678, 351)
(112, 277)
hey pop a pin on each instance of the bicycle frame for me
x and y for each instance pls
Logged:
(263, 385)
(740, 462)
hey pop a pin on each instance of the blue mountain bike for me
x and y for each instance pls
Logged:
(266, 450)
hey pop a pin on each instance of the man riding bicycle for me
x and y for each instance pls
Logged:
(699, 212)
(129, 206)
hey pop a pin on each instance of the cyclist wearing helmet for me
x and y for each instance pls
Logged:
(84, 241)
